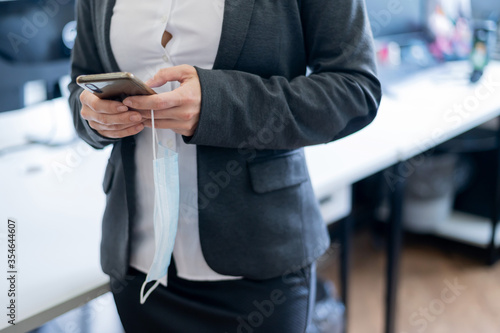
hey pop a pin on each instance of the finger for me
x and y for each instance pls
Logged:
(176, 73)
(122, 133)
(117, 127)
(161, 101)
(101, 105)
(127, 117)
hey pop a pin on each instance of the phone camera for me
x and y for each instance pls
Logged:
(93, 88)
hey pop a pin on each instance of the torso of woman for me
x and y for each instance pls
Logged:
(146, 37)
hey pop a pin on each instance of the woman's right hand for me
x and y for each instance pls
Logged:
(111, 119)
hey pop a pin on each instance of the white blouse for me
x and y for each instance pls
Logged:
(136, 33)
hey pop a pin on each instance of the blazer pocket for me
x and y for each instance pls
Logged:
(108, 177)
(278, 172)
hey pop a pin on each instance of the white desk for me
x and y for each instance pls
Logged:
(418, 114)
(56, 198)
(438, 104)
(446, 106)
(406, 125)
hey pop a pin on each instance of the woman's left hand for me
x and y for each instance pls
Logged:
(179, 109)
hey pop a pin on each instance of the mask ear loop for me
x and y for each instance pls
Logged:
(143, 297)
(155, 141)
(154, 134)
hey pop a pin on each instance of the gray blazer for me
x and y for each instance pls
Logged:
(258, 216)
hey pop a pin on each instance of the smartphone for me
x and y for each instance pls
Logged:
(114, 86)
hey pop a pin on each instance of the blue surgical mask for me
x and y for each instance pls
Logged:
(166, 211)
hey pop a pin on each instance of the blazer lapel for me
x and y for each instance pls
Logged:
(107, 11)
(237, 15)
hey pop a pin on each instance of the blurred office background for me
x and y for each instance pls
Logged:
(455, 183)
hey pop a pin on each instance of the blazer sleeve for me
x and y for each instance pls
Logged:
(85, 60)
(339, 97)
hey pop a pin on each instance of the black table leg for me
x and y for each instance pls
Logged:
(345, 243)
(397, 182)
(492, 255)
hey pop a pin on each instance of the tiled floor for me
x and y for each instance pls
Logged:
(426, 301)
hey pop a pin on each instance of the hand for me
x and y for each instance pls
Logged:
(110, 118)
(179, 109)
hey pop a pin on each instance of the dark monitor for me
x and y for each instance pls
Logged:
(36, 38)
(395, 17)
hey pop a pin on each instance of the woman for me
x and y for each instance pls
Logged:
(235, 104)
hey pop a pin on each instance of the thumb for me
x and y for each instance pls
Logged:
(176, 73)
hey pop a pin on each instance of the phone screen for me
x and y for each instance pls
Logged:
(114, 86)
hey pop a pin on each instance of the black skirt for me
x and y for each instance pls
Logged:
(282, 304)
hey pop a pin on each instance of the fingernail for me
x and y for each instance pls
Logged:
(138, 127)
(135, 117)
(122, 108)
(127, 102)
